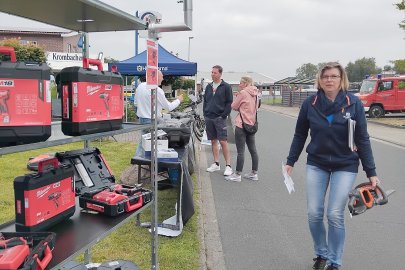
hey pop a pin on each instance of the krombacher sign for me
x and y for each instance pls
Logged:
(57, 56)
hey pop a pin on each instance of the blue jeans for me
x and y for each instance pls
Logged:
(340, 184)
(142, 121)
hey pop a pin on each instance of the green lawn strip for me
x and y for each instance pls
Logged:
(128, 242)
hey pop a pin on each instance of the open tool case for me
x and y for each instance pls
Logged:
(95, 184)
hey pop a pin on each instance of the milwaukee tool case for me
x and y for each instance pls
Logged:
(95, 184)
(28, 250)
(45, 198)
(25, 101)
(92, 100)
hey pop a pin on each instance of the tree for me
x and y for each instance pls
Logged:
(399, 66)
(110, 60)
(361, 67)
(306, 71)
(401, 6)
(24, 53)
(188, 83)
(387, 68)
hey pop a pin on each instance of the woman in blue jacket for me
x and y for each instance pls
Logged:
(330, 161)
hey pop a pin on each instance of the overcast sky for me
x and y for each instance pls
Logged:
(272, 37)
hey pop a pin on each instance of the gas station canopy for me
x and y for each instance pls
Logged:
(77, 15)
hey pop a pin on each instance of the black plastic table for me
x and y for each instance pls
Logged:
(78, 234)
(185, 188)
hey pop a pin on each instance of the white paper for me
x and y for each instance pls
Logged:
(351, 127)
(287, 180)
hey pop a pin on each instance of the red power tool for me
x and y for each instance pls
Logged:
(106, 99)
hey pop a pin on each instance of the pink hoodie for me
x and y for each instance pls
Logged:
(246, 103)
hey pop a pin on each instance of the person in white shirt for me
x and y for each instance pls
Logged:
(142, 97)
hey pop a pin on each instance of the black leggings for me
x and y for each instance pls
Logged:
(241, 138)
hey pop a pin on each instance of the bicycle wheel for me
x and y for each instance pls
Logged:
(198, 134)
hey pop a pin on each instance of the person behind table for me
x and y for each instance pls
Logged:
(143, 111)
(142, 97)
(246, 103)
(330, 161)
(217, 107)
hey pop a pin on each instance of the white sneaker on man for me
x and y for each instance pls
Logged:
(228, 171)
(234, 177)
(251, 176)
(214, 167)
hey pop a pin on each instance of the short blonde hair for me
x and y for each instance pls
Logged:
(247, 79)
(344, 82)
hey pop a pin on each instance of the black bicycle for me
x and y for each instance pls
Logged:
(198, 122)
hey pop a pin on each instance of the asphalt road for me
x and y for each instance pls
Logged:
(261, 226)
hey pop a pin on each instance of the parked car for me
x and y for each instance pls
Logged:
(383, 95)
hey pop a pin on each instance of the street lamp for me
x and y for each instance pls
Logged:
(189, 39)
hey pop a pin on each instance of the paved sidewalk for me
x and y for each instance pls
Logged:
(377, 131)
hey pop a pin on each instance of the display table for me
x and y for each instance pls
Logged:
(185, 205)
(79, 233)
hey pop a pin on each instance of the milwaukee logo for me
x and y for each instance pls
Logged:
(91, 90)
(6, 83)
(42, 193)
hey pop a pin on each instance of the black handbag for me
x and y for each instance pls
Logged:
(250, 129)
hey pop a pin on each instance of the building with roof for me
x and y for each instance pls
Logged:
(60, 45)
(263, 82)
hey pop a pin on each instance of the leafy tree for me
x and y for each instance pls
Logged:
(25, 53)
(306, 71)
(188, 83)
(361, 67)
(399, 66)
(110, 60)
(321, 65)
(387, 68)
(401, 6)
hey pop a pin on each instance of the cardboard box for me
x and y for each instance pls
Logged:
(162, 144)
(169, 155)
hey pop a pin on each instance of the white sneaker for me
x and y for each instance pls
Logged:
(228, 171)
(214, 167)
(234, 177)
(251, 176)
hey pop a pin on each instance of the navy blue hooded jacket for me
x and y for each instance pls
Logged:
(328, 148)
(218, 104)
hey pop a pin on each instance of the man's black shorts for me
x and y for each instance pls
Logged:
(216, 129)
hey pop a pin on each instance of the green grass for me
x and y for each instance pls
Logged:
(129, 242)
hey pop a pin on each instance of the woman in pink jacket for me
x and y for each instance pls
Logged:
(246, 103)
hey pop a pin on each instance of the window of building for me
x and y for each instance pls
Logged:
(69, 48)
(28, 42)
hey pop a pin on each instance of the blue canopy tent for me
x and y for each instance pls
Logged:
(168, 64)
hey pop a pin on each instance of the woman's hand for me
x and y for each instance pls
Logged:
(374, 181)
(288, 169)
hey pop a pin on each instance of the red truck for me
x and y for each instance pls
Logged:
(383, 95)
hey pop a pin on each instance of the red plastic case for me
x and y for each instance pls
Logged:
(25, 101)
(45, 198)
(35, 255)
(92, 100)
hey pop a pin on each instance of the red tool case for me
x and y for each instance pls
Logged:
(45, 198)
(92, 100)
(25, 101)
(35, 254)
(95, 184)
